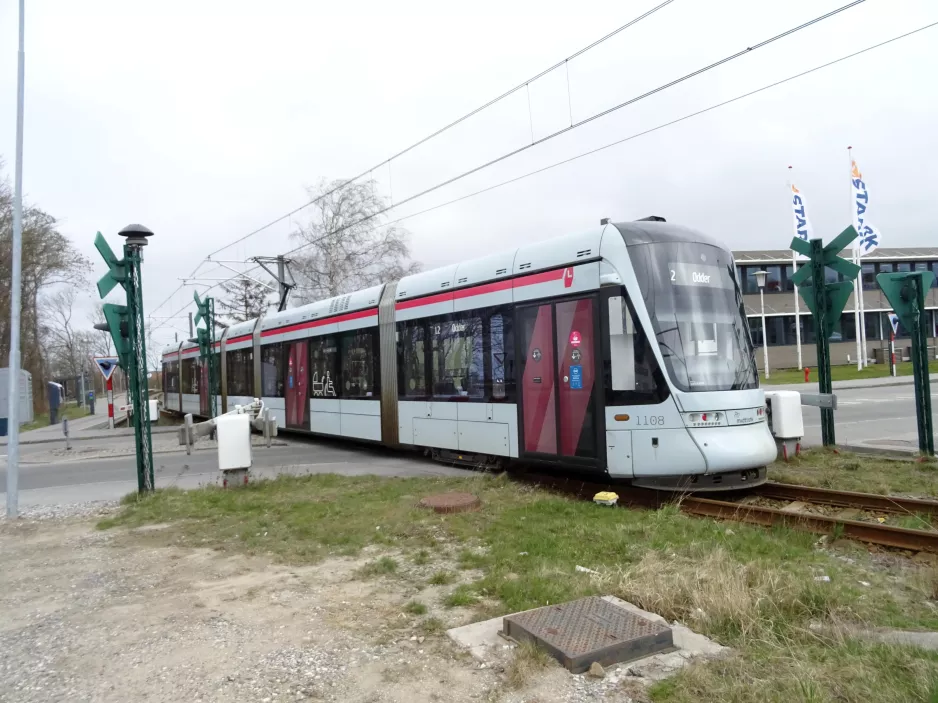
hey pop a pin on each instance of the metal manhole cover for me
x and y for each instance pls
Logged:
(589, 630)
(451, 502)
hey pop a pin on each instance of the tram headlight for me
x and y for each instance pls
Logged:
(708, 418)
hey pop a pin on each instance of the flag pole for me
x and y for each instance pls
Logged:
(859, 262)
(794, 268)
(857, 287)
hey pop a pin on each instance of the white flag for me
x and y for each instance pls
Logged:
(869, 237)
(803, 228)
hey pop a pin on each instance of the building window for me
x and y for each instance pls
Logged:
(272, 370)
(869, 277)
(324, 367)
(755, 331)
(773, 279)
(885, 268)
(775, 330)
(904, 267)
(934, 270)
(457, 358)
(871, 322)
(359, 362)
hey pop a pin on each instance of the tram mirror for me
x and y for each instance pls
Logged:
(621, 345)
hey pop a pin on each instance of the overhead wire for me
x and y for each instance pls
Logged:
(452, 124)
(427, 138)
(590, 119)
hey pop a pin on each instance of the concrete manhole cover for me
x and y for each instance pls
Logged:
(451, 502)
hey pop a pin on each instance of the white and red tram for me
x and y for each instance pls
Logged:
(624, 350)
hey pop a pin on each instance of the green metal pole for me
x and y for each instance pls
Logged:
(820, 293)
(139, 392)
(923, 415)
(213, 371)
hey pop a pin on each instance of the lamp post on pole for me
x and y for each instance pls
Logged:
(760, 281)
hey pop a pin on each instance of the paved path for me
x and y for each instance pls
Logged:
(885, 381)
(76, 427)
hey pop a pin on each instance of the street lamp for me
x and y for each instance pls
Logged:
(760, 281)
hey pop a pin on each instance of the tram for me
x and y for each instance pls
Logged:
(623, 351)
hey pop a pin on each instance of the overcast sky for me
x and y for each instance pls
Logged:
(204, 120)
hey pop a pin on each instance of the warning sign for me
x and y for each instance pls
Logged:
(106, 365)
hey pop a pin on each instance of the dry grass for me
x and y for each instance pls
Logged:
(735, 602)
(528, 662)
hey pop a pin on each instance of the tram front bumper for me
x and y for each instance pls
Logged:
(736, 447)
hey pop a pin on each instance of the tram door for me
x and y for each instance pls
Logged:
(204, 406)
(559, 403)
(297, 389)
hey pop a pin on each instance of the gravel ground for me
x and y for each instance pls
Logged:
(117, 615)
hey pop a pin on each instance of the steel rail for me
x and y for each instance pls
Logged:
(846, 499)
(869, 532)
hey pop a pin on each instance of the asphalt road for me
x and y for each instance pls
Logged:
(109, 478)
(878, 417)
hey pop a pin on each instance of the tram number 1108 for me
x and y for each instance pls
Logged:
(650, 420)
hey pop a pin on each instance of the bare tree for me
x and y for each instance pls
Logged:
(63, 344)
(48, 258)
(101, 344)
(346, 246)
(244, 299)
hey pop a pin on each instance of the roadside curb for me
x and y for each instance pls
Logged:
(880, 451)
(80, 438)
(862, 383)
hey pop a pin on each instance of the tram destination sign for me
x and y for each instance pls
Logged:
(697, 275)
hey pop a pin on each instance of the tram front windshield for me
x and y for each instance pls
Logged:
(697, 311)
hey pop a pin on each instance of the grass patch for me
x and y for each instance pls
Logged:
(422, 557)
(441, 578)
(750, 588)
(528, 662)
(70, 412)
(469, 559)
(415, 608)
(841, 372)
(378, 567)
(432, 626)
(824, 468)
(461, 597)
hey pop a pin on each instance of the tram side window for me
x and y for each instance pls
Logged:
(457, 358)
(359, 364)
(324, 367)
(412, 359)
(240, 372)
(502, 351)
(191, 375)
(631, 371)
(272, 367)
(171, 381)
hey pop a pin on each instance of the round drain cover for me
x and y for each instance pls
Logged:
(451, 502)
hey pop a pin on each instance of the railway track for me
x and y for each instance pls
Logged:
(862, 531)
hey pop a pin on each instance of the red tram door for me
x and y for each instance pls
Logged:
(297, 386)
(559, 403)
(205, 407)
